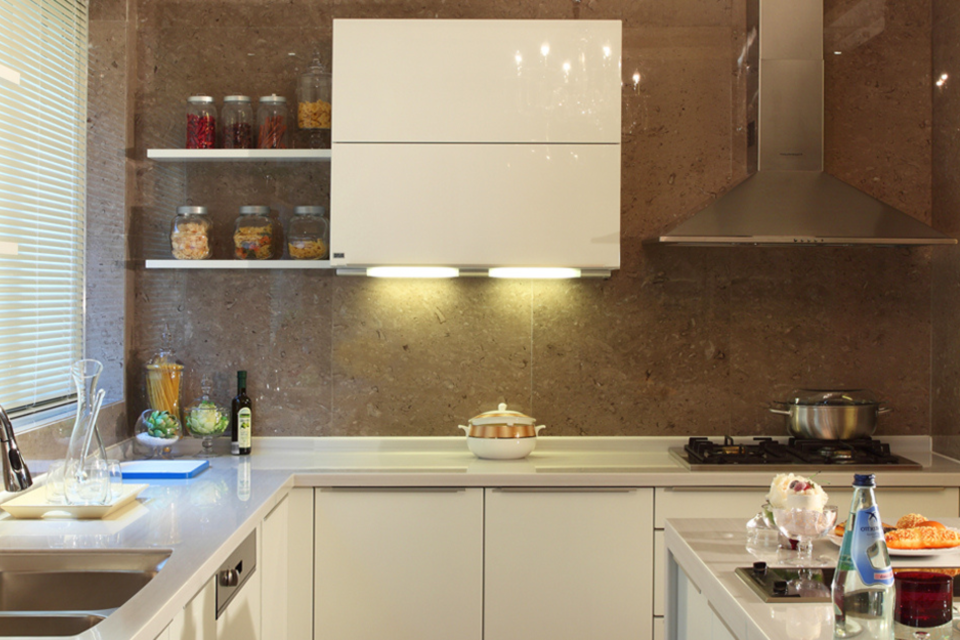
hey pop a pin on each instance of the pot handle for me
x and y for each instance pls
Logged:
(883, 410)
(781, 412)
(466, 430)
(537, 428)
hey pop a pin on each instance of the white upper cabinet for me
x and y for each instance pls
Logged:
(476, 143)
(476, 81)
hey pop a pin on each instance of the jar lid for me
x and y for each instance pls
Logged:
(254, 208)
(188, 210)
(309, 210)
(237, 99)
(501, 416)
(200, 100)
(273, 99)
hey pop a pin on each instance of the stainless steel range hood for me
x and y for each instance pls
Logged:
(788, 199)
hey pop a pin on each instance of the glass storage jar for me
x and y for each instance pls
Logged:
(313, 107)
(190, 234)
(253, 237)
(272, 123)
(237, 123)
(201, 123)
(308, 234)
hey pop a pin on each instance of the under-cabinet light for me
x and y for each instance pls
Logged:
(535, 273)
(413, 272)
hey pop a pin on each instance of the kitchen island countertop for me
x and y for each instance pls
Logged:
(203, 519)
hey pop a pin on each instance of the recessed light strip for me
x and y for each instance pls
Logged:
(413, 272)
(535, 273)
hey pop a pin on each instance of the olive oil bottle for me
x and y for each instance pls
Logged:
(241, 418)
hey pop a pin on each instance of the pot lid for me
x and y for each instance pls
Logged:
(835, 397)
(501, 416)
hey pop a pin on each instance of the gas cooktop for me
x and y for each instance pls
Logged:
(757, 454)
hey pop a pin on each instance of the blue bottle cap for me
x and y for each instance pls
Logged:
(864, 480)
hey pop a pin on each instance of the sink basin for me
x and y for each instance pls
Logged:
(63, 593)
(47, 625)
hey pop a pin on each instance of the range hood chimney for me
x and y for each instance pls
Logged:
(788, 199)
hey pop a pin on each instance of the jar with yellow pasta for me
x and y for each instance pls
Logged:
(190, 234)
(253, 237)
(313, 106)
(308, 234)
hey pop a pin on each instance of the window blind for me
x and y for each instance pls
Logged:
(42, 196)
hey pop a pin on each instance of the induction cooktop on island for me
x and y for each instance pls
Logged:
(759, 453)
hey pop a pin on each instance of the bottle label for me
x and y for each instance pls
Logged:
(868, 549)
(244, 422)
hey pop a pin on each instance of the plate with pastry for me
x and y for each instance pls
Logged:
(914, 535)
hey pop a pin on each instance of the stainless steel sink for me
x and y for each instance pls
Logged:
(46, 625)
(62, 593)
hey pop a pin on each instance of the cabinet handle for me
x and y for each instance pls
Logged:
(715, 489)
(229, 578)
(565, 489)
(398, 489)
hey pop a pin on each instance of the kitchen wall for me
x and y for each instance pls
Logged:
(946, 212)
(679, 341)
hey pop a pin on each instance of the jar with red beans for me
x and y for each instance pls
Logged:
(201, 123)
(236, 123)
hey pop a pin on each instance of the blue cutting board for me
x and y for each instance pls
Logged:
(163, 469)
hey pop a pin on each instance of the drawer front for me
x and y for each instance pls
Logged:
(744, 502)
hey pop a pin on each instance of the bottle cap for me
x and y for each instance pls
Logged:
(864, 480)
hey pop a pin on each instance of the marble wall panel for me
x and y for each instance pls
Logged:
(680, 341)
(945, 423)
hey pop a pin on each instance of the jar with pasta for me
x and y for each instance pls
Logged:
(164, 374)
(254, 237)
(313, 106)
(307, 234)
(190, 234)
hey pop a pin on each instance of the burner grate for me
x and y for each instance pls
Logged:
(797, 451)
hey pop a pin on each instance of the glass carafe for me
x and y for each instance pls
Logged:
(86, 479)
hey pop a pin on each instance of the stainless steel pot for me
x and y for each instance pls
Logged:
(830, 414)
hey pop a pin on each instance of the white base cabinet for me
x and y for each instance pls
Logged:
(197, 620)
(568, 564)
(399, 563)
(241, 619)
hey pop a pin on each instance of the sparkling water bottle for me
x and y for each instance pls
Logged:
(864, 596)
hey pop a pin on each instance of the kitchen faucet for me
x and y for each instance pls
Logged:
(16, 475)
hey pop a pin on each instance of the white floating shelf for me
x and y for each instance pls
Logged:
(238, 264)
(239, 155)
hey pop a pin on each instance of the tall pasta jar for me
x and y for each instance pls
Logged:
(313, 107)
(190, 234)
(201, 123)
(237, 123)
(308, 234)
(253, 237)
(272, 123)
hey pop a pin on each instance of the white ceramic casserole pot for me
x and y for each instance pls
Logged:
(502, 434)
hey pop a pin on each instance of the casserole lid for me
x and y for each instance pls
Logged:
(501, 416)
(831, 397)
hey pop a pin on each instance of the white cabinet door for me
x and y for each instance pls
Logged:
(274, 570)
(197, 621)
(241, 619)
(506, 81)
(299, 601)
(403, 564)
(164, 635)
(568, 564)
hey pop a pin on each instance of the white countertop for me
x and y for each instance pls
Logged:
(202, 520)
(710, 550)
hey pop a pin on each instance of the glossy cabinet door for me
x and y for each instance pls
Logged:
(197, 621)
(241, 619)
(399, 564)
(274, 570)
(568, 564)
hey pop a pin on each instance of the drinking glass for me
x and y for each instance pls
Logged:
(805, 525)
(924, 608)
(115, 473)
(54, 483)
(87, 483)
